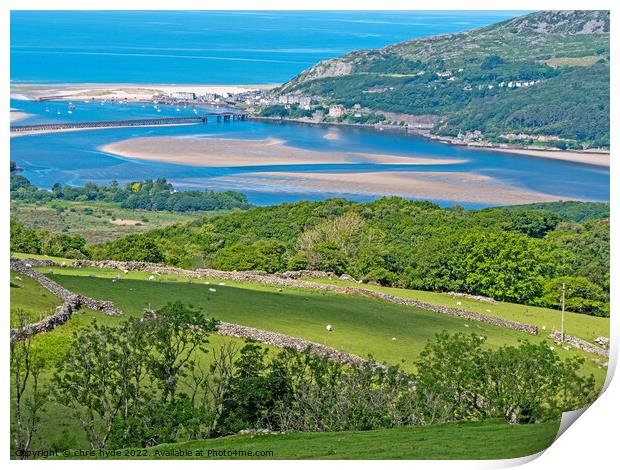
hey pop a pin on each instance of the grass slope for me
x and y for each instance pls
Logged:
(33, 300)
(577, 324)
(490, 440)
(363, 326)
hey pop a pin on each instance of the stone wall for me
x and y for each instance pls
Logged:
(579, 343)
(25, 268)
(479, 298)
(62, 315)
(285, 341)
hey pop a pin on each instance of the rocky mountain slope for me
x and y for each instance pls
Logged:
(538, 77)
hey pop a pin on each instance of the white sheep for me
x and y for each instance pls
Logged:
(328, 328)
(211, 289)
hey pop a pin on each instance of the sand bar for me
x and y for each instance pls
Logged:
(231, 153)
(129, 91)
(18, 115)
(588, 158)
(450, 186)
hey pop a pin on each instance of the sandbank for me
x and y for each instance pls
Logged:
(231, 153)
(448, 186)
(588, 158)
(120, 91)
(18, 115)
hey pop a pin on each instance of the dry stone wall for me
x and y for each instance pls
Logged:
(62, 315)
(25, 268)
(285, 341)
(579, 344)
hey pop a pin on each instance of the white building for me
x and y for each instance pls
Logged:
(183, 95)
(336, 111)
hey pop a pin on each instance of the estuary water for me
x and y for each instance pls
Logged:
(75, 157)
(237, 48)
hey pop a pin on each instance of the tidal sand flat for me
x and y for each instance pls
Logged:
(18, 115)
(588, 158)
(237, 152)
(448, 186)
(120, 91)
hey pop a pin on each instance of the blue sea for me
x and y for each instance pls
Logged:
(236, 48)
(214, 47)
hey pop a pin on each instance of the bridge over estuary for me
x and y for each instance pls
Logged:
(163, 121)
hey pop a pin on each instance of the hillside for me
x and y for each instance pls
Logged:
(541, 78)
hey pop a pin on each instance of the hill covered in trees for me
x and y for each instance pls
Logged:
(517, 254)
(542, 77)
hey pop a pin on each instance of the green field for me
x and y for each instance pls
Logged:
(577, 324)
(96, 221)
(34, 301)
(391, 333)
(489, 440)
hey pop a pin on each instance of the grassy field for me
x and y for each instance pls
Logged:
(576, 324)
(489, 440)
(389, 332)
(96, 221)
(31, 299)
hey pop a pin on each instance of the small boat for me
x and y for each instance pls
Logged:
(178, 109)
(58, 112)
(158, 110)
(69, 112)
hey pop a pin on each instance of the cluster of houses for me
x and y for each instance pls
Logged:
(450, 76)
(260, 98)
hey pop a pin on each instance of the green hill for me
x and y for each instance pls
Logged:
(532, 79)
